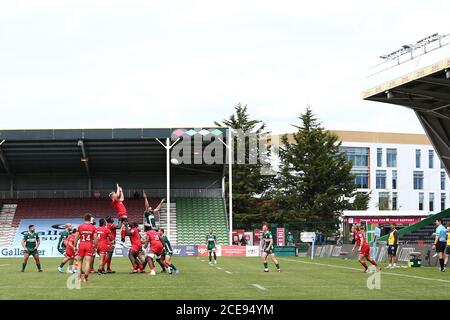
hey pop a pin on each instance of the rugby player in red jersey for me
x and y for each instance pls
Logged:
(113, 229)
(86, 244)
(69, 255)
(364, 248)
(155, 247)
(105, 238)
(117, 199)
(136, 246)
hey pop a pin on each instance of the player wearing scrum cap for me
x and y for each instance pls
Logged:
(62, 247)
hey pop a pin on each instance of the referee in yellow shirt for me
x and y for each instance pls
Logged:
(392, 243)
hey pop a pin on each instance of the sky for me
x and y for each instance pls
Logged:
(127, 64)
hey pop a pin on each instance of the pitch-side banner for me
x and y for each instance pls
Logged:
(49, 232)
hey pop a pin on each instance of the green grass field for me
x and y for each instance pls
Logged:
(237, 278)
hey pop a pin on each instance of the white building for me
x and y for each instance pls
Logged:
(402, 171)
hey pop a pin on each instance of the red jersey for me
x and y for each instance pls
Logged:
(120, 208)
(135, 237)
(155, 238)
(103, 234)
(360, 239)
(112, 228)
(70, 241)
(86, 231)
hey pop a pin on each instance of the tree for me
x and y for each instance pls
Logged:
(361, 201)
(315, 181)
(249, 182)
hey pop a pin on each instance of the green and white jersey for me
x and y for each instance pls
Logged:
(211, 240)
(267, 237)
(31, 240)
(62, 237)
(167, 245)
(149, 218)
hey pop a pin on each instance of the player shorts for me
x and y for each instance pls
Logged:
(69, 253)
(440, 246)
(365, 250)
(211, 248)
(392, 250)
(155, 251)
(85, 250)
(31, 252)
(103, 248)
(62, 250)
(268, 251)
(123, 217)
(136, 248)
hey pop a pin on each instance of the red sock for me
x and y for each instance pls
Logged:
(373, 262)
(122, 233)
(363, 264)
(140, 267)
(86, 276)
(152, 267)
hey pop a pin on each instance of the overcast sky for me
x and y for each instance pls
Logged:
(95, 63)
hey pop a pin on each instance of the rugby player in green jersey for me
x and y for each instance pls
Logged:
(267, 249)
(149, 212)
(62, 247)
(211, 241)
(30, 244)
(168, 251)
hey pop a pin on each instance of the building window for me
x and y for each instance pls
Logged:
(418, 180)
(418, 155)
(379, 157)
(394, 179)
(381, 179)
(421, 199)
(430, 159)
(443, 201)
(358, 156)
(442, 180)
(361, 178)
(431, 201)
(383, 201)
(394, 201)
(391, 158)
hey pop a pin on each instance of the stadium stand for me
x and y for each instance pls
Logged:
(65, 173)
(75, 208)
(197, 215)
(421, 232)
(7, 230)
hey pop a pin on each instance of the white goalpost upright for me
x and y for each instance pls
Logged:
(168, 147)
(229, 147)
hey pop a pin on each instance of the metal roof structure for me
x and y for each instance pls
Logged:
(81, 151)
(419, 81)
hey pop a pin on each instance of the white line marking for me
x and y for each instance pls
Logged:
(4, 265)
(258, 286)
(384, 272)
(228, 272)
